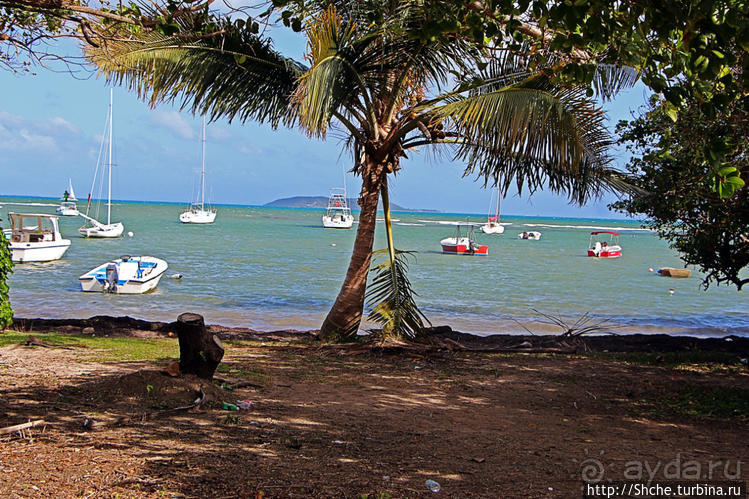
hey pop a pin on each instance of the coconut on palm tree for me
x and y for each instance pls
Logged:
(369, 75)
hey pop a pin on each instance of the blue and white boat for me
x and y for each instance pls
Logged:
(125, 275)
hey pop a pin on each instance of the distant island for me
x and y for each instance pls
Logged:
(322, 202)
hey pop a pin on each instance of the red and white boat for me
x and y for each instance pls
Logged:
(463, 245)
(604, 249)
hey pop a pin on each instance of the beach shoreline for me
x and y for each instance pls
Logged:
(103, 325)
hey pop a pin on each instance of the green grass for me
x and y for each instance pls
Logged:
(691, 361)
(103, 349)
(710, 402)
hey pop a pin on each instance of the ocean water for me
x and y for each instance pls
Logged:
(277, 268)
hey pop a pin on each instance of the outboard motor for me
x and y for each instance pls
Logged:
(110, 285)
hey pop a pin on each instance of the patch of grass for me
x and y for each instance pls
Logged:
(103, 349)
(691, 361)
(710, 402)
(249, 373)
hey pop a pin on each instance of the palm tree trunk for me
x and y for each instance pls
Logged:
(344, 318)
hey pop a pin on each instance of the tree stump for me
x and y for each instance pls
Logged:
(199, 351)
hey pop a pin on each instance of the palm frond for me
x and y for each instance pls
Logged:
(235, 74)
(609, 79)
(333, 75)
(391, 297)
(534, 134)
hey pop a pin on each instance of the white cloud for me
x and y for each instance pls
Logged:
(174, 122)
(217, 133)
(58, 122)
(20, 134)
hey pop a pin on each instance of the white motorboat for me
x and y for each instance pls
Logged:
(35, 237)
(125, 275)
(67, 209)
(197, 212)
(492, 225)
(337, 214)
(530, 234)
(92, 227)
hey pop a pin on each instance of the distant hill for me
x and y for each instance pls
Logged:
(322, 202)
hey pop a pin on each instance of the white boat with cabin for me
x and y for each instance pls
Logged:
(197, 212)
(337, 214)
(67, 207)
(35, 237)
(125, 275)
(92, 227)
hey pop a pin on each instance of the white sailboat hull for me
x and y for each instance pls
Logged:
(45, 251)
(197, 217)
(136, 275)
(492, 228)
(103, 230)
(337, 221)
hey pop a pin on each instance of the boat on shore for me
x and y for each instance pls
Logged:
(197, 213)
(604, 249)
(338, 214)
(463, 244)
(35, 237)
(125, 275)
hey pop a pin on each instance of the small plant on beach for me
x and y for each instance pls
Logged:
(6, 267)
(392, 298)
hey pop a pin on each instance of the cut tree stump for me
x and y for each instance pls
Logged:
(200, 352)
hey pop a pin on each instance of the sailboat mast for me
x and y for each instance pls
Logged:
(202, 172)
(499, 197)
(109, 182)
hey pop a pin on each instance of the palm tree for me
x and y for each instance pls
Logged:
(390, 92)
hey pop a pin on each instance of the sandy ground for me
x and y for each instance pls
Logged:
(337, 422)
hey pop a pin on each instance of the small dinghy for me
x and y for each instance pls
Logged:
(672, 272)
(531, 235)
(126, 275)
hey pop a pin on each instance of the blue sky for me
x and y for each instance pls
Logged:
(51, 130)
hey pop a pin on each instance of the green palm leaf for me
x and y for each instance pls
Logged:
(391, 297)
(535, 134)
(235, 74)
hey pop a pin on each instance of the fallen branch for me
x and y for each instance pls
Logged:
(19, 427)
(34, 341)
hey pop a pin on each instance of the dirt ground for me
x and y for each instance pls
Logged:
(330, 421)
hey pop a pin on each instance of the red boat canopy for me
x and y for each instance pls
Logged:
(604, 232)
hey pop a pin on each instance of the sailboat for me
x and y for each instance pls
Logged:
(196, 213)
(492, 225)
(92, 227)
(67, 207)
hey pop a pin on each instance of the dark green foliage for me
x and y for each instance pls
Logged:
(691, 175)
(6, 267)
(710, 402)
(391, 297)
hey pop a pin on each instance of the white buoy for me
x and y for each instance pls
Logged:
(650, 269)
(671, 290)
(130, 234)
(332, 244)
(175, 276)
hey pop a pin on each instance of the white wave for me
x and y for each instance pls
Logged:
(592, 227)
(405, 223)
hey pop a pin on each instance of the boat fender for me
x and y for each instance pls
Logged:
(110, 285)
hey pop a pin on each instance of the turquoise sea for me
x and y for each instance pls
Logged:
(277, 268)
